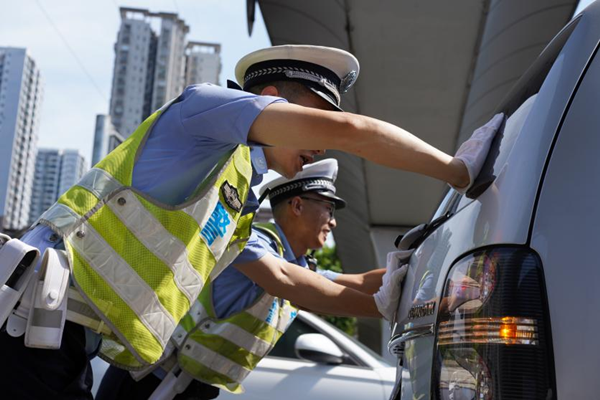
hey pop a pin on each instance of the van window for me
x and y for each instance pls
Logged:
(516, 106)
(500, 149)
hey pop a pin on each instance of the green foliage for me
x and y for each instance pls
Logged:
(345, 324)
(327, 259)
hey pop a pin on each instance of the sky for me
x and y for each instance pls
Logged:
(583, 4)
(72, 44)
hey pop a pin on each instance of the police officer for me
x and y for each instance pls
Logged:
(303, 209)
(169, 209)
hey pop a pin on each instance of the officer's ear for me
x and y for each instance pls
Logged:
(270, 91)
(296, 205)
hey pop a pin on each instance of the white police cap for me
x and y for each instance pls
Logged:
(318, 177)
(327, 71)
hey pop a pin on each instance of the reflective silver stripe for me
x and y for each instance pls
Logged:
(217, 225)
(159, 241)
(238, 336)
(147, 230)
(201, 209)
(231, 332)
(262, 310)
(269, 309)
(99, 182)
(127, 284)
(215, 361)
(61, 217)
(285, 316)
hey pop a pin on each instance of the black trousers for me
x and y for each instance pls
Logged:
(34, 374)
(118, 384)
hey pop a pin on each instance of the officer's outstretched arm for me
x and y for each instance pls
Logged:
(308, 289)
(368, 282)
(290, 125)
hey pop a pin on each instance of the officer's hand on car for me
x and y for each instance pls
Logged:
(474, 151)
(388, 296)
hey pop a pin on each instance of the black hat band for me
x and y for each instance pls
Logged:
(298, 187)
(312, 75)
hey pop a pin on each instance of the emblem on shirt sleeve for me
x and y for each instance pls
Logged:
(231, 196)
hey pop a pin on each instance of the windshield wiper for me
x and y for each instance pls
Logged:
(413, 238)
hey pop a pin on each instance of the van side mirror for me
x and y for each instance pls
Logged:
(318, 348)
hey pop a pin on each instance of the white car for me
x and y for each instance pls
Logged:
(312, 360)
(501, 298)
(315, 360)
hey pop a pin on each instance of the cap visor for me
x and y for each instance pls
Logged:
(339, 202)
(326, 98)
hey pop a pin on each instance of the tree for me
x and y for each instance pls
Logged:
(328, 259)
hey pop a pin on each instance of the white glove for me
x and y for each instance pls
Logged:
(388, 296)
(474, 151)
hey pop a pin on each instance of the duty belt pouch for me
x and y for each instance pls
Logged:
(48, 310)
(17, 264)
(17, 320)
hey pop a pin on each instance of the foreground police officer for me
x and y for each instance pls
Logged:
(237, 312)
(168, 210)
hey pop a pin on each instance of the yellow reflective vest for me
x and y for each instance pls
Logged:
(141, 264)
(222, 352)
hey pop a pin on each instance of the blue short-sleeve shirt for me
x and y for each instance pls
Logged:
(192, 135)
(233, 291)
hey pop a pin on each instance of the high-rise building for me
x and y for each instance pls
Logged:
(170, 59)
(55, 172)
(203, 63)
(72, 168)
(149, 66)
(45, 182)
(106, 138)
(21, 93)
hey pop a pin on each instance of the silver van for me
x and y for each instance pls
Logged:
(502, 298)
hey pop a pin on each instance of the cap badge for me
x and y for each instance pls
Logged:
(348, 81)
(231, 196)
(318, 184)
(312, 186)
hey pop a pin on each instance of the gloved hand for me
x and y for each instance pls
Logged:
(474, 151)
(388, 296)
